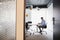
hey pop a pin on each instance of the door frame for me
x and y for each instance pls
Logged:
(20, 19)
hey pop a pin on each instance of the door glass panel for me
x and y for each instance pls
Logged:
(39, 20)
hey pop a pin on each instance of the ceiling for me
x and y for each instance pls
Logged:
(38, 2)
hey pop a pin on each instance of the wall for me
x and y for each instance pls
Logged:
(28, 18)
(7, 20)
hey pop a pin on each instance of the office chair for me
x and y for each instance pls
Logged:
(28, 24)
(43, 27)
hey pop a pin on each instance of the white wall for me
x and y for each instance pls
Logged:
(36, 15)
(7, 20)
(28, 18)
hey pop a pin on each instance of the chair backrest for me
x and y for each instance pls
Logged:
(29, 22)
(45, 26)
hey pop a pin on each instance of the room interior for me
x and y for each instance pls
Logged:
(34, 11)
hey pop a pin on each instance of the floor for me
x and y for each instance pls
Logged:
(35, 35)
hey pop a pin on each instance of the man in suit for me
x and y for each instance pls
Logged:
(42, 25)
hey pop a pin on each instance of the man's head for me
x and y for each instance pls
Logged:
(42, 18)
